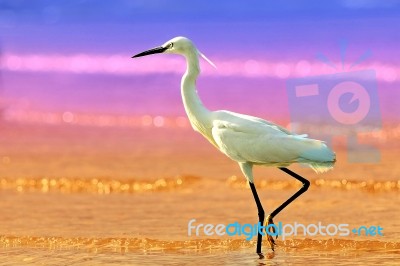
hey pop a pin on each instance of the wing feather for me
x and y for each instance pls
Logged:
(262, 142)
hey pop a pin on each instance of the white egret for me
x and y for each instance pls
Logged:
(246, 139)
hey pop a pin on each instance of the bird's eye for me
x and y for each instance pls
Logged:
(171, 45)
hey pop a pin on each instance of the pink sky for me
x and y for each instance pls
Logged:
(121, 65)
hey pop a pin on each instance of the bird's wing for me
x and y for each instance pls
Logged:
(236, 117)
(249, 140)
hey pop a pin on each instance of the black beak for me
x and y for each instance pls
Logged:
(156, 50)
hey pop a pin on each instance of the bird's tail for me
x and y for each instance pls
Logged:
(322, 167)
(318, 156)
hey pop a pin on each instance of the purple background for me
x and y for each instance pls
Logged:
(268, 31)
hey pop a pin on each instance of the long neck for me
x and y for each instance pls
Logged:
(198, 115)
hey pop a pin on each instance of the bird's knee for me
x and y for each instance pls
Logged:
(306, 185)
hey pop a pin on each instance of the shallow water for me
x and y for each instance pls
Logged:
(88, 196)
(37, 256)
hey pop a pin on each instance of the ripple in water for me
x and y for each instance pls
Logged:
(94, 185)
(146, 244)
(343, 184)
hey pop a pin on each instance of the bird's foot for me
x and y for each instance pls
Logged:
(270, 226)
(261, 256)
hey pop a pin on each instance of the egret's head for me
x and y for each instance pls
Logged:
(177, 45)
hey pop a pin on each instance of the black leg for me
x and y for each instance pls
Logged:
(303, 189)
(261, 216)
(306, 185)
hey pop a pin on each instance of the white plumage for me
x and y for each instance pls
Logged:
(248, 139)
(245, 139)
